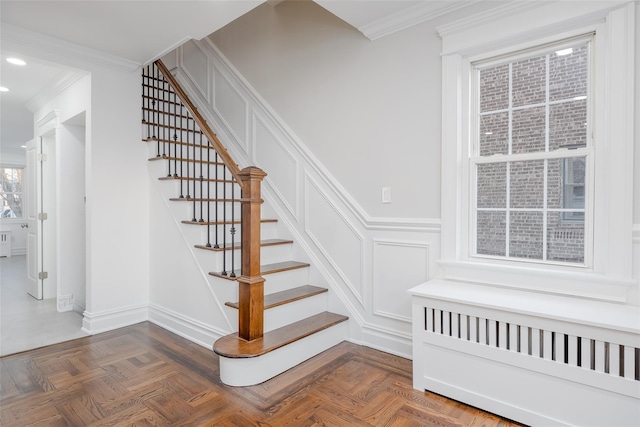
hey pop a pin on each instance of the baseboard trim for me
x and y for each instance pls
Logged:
(190, 329)
(95, 323)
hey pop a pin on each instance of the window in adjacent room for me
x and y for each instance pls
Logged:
(11, 195)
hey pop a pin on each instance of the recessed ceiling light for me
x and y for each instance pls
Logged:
(16, 61)
(3, 89)
(23, 146)
(564, 52)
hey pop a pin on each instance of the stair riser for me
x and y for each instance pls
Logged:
(268, 254)
(285, 314)
(184, 187)
(255, 370)
(267, 231)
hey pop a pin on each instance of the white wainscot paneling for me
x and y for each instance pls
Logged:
(338, 240)
(196, 66)
(281, 165)
(397, 267)
(231, 107)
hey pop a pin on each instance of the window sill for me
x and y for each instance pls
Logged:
(585, 312)
(583, 284)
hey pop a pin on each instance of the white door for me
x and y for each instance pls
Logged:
(34, 207)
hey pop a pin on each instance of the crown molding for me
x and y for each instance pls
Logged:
(490, 15)
(411, 16)
(62, 82)
(481, 29)
(19, 39)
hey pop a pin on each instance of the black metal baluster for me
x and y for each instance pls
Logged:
(166, 110)
(175, 134)
(201, 180)
(145, 100)
(193, 141)
(162, 106)
(176, 148)
(215, 201)
(233, 231)
(187, 148)
(153, 103)
(224, 221)
(209, 196)
(176, 156)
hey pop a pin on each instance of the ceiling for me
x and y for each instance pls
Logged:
(157, 27)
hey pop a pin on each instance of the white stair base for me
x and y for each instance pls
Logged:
(248, 371)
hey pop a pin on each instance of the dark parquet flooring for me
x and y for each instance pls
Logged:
(143, 375)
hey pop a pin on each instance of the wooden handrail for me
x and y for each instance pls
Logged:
(201, 122)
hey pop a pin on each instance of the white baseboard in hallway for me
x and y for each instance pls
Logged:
(26, 323)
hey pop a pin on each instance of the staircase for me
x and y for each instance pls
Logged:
(280, 325)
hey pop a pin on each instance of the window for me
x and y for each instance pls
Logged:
(530, 154)
(11, 178)
(537, 127)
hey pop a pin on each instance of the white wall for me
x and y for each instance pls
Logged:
(369, 111)
(636, 167)
(117, 207)
(71, 240)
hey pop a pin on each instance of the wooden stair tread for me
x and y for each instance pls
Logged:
(284, 297)
(191, 178)
(200, 199)
(224, 222)
(184, 159)
(266, 242)
(232, 346)
(267, 269)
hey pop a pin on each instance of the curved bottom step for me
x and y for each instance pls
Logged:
(238, 368)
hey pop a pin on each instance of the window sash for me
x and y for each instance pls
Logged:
(570, 217)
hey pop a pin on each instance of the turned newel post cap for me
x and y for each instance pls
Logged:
(252, 173)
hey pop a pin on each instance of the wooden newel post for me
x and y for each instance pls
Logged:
(250, 282)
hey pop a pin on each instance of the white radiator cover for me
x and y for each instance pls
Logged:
(5, 243)
(534, 358)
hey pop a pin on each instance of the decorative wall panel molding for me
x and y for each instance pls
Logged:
(397, 267)
(196, 66)
(270, 154)
(232, 107)
(335, 236)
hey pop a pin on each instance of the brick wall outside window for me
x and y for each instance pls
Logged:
(532, 105)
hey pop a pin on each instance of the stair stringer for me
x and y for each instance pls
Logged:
(390, 332)
(199, 330)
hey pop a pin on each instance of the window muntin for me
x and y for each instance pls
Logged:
(11, 194)
(531, 155)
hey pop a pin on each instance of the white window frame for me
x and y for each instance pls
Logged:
(517, 26)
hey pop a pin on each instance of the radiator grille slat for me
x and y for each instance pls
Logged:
(584, 352)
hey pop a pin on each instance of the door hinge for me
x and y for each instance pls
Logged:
(43, 275)
(42, 157)
(42, 216)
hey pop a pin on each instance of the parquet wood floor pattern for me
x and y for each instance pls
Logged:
(143, 375)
